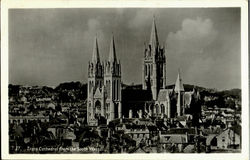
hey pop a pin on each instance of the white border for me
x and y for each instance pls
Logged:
(124, 4)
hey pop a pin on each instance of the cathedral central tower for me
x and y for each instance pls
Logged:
(154, 64)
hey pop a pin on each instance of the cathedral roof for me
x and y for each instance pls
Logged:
(112, 53)
(178, 84)
(154, 37)
(95, 56)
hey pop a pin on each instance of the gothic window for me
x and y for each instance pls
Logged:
(98, 107)
(157, 109)
(151, 70)
(113, 88)
(89, 86)
(146, 70)
(108, 88)
(117, 89)
(162, 108)
(152, 109)
(161, 82)
(107, 107)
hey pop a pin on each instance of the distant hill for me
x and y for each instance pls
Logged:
(71, 91)
(69, 86)
(79, 90)
(234, 93)
(188, 87)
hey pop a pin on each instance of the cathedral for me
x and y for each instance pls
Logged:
(106, 98)
(104, 86)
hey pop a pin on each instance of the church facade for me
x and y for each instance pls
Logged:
(105, 92)
(104, 86)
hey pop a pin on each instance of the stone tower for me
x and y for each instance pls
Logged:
(112, 82)
(154, 64)
(95, 85)
(179, 89)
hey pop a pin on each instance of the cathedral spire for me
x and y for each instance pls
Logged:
(153, 37)
(112, 53)
(178, 84)
(95, 56)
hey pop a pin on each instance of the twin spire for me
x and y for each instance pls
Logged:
(154, 42)
(112, 52)
(154, 37)
(95, 56)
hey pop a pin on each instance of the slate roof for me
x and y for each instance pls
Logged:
(209, 138)
(174, 139)
(163, 95)
(181, 131)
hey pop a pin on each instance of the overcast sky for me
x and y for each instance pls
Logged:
(51, 46)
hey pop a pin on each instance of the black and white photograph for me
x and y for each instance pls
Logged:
(125, 80)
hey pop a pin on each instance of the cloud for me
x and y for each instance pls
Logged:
(188, 48)
(93, 30)
(194, 36)
(141, 18)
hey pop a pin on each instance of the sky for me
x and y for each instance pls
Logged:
(52, 46)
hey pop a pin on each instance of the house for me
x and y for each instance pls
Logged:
(177, 138)
(229, 138)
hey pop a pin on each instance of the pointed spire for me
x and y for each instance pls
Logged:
(112, 53)
(153, 37)
(178, 84)
(95, 56)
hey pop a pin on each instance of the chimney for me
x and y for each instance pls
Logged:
(140, 113)
(130, 113)
(186, 137)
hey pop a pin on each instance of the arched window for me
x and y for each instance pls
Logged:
(152, 109)
(98, 107)
(146, 70)
(157, 108)
(162, 108)
(113, 87)
(117, 89)
(151, 71)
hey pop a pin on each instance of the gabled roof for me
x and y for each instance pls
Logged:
(174, 139)
(209, 138)
(97, 93)
(181, 118)
(163, 95)
(181, 131)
